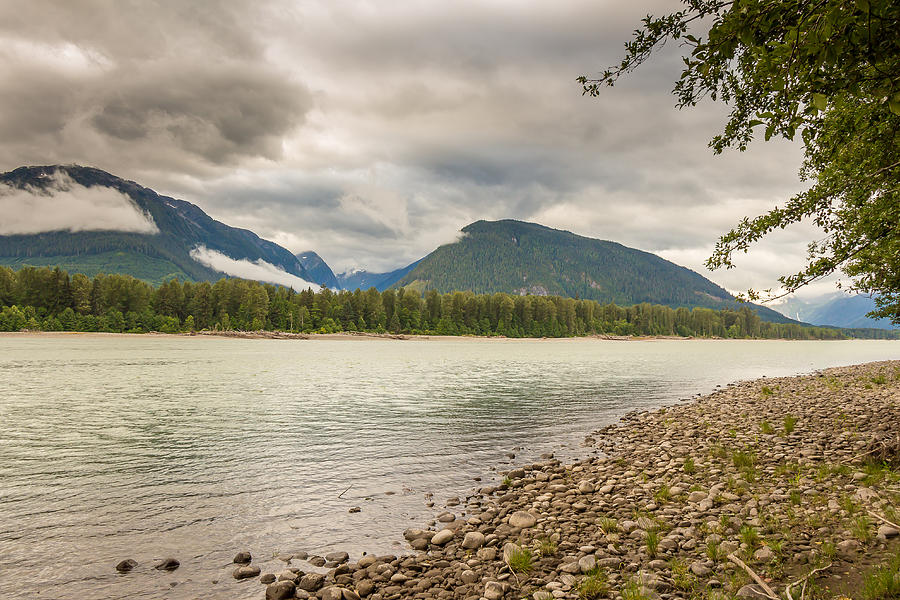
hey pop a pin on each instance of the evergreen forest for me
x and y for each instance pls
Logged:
(45, 299)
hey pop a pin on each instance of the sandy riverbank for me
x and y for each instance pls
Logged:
(737, 494)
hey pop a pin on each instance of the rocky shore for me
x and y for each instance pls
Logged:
(774, 488)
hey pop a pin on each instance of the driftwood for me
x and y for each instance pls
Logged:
(883, 520)
(769, 591)
(803, 580)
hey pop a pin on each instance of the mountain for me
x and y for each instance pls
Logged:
(165, 245)
(318, 269)
(351, 280)
(526, 258)
(838, 309)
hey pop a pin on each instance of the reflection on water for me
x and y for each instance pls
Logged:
(147, 447)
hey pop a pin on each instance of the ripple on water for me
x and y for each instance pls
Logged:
(146, 447)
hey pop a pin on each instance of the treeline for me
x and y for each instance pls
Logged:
(51, 300)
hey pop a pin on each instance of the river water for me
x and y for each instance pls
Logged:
(145, 447)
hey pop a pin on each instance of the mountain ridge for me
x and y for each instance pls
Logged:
(183, 227)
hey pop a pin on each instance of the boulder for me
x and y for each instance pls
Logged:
(242, 558)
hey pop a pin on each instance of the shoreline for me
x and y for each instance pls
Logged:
(347, 335)
(757, 485)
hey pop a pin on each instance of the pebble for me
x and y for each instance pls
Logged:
(167, 564)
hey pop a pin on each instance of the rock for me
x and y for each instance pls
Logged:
(242, 558)
(585, 487)
(542, 595)
(348, 594)
(697, 496)
(516, 474)
(522, 519)
(886, 531)
(847, 548)
(366, 561)
(469, 576)
(316, 561)
(572, 567)
(167, 564)
(126, 565)
(338, 557)
(587, 563)
(365, 587)
(354, 509)
(473, 540)
(415, 534)
(419, 544)
(245, 572)
(281, 590)
(752, 591)
(700, 570)
(332, 592)
(764, 555)
(311, 582)
(442, 537)
(493, 590)
(267, 578)
(288, 576)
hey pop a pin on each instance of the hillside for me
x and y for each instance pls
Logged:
(525, 258)
(181, 227)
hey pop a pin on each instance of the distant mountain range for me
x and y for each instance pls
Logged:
(156, 237)
(182, 229)
(838, 309)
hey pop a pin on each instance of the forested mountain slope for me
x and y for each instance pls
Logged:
(153, 257)
(526, 258)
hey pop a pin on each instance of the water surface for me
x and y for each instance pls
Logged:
(194, 447)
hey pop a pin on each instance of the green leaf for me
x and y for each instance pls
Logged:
(894, 105)
(820, 101)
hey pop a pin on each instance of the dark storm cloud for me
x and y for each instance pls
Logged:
(371, 132)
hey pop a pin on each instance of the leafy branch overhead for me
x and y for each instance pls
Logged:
(828, 70)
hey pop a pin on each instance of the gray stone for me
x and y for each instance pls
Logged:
(469, 576)
(587, 563)
(696, 496)
(886, 531)
(585, 487)
(522, 519)
(167, 564)
(365, 587)
(473, 540)
(311, 582)
(280, 590)
(348, 594)
(764, 555)
(752, 591)
(700, 570)
(245, 572)
(366, 561)
(126, 565)
(242, 558)
(338, 557)
(493, 590)
(442, 537)
(332, 592)
(542, 595)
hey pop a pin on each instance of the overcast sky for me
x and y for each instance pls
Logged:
(371, 132)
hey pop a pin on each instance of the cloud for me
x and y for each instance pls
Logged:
(64, 205)
(373, 134)
(258, 270)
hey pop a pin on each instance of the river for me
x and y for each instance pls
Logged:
(145, 447)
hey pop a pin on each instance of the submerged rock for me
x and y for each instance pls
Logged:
(126, 565)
